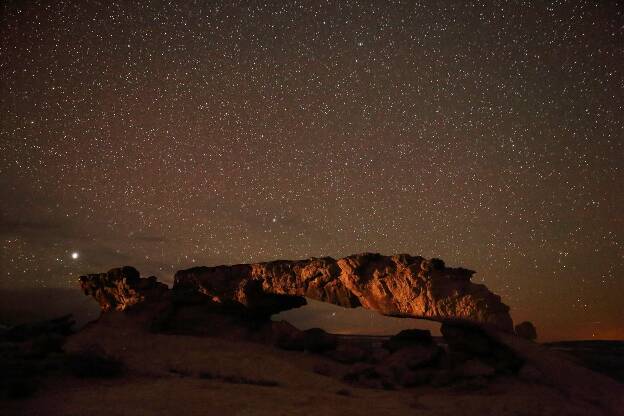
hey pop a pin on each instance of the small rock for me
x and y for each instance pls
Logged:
(526, 330)
(408, 338)
(286, 336)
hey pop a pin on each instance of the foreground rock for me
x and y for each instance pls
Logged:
(31, 353)
(467, 341)
(142, 332)
(400, 285)
(171, 374)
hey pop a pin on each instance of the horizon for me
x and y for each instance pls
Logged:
(315, 314)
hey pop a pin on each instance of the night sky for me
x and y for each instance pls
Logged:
(167, 136)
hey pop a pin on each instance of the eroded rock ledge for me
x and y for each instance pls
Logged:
(400, 285)
(121, 288)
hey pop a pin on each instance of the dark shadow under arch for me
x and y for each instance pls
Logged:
(352, 321)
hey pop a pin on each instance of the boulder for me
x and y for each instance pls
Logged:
(469, 340)
(526, 330)
(317, 340)
(287, 337)
(313, 340)
(408, 338)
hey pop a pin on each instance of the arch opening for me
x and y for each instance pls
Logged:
(351, 321)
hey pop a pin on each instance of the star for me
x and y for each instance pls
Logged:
(451, 132)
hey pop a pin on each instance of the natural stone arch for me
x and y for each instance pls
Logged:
(400, 285)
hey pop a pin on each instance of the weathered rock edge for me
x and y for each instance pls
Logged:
(400, 285)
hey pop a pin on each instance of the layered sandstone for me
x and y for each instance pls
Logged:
(400, 285)
(121, 288)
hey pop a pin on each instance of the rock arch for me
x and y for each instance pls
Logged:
(400, 285)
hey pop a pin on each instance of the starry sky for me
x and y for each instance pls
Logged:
(167, 135)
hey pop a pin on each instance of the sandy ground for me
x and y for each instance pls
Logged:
(190, 396)
(163, 379)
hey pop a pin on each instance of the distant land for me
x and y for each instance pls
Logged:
(19, 306)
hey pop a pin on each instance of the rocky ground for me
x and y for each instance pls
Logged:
(606, 357)
(116, 367)
(212, 348)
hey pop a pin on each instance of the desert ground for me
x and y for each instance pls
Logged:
(217, 343)
(191, 375)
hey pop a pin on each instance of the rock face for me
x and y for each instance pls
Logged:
(120, 288)
(400, 285)
(240, 299)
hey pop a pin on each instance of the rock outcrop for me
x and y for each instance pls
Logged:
(121, 288)
(401, 285)
(526, 330)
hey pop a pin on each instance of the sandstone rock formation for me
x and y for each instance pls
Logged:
(121, 288)
(400, 285)
(125, 297)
